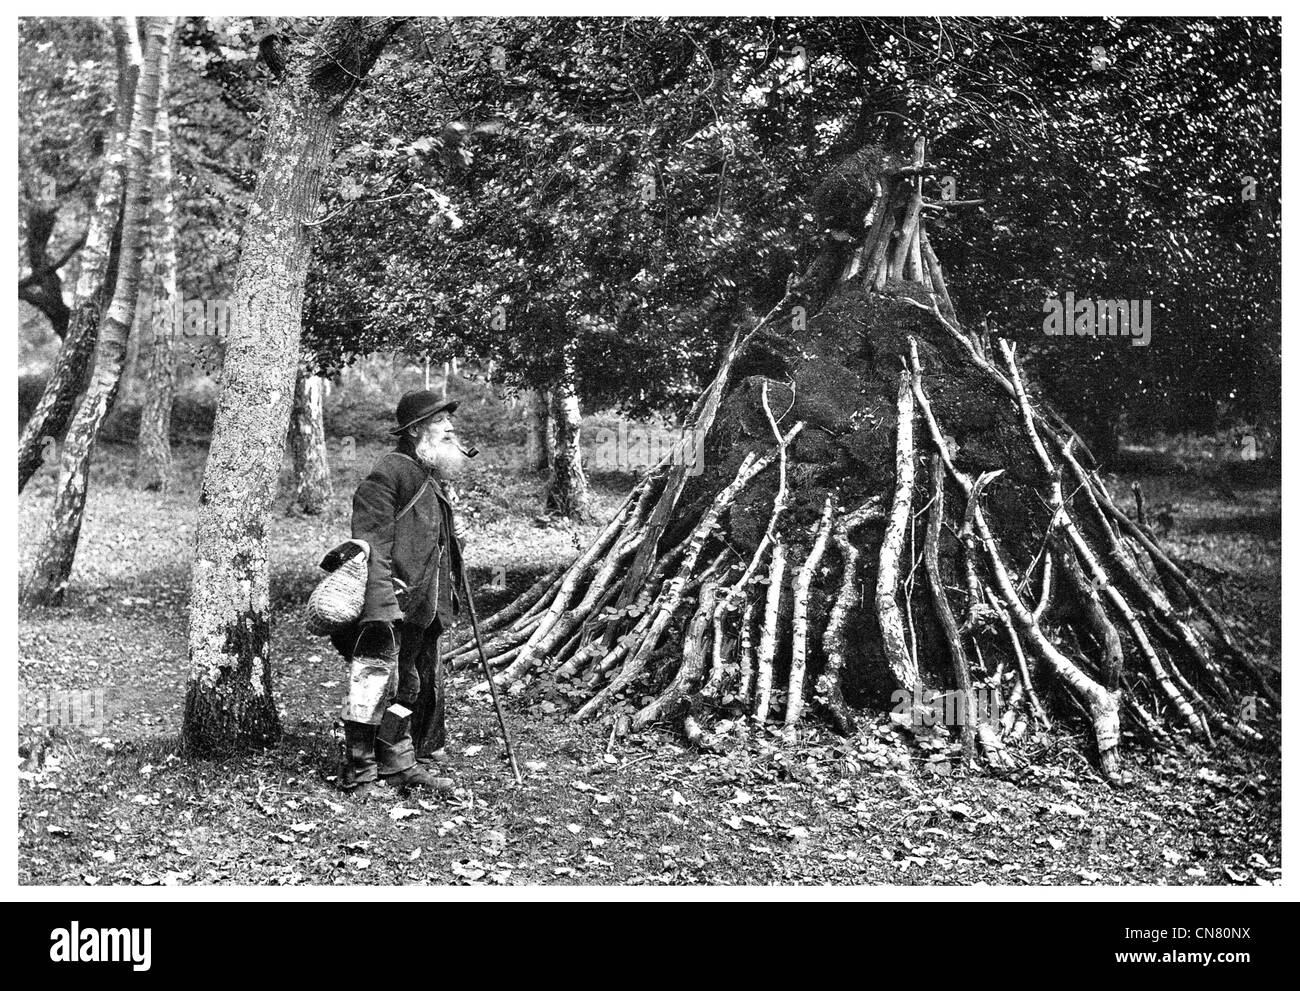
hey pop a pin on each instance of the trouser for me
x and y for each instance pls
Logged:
(423, 687)
(413, 678)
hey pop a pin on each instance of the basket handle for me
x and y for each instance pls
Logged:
(361, 629)
(345, 551)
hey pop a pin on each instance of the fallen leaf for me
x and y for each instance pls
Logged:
(470, 870)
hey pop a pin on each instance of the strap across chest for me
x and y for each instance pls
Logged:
(428, 480)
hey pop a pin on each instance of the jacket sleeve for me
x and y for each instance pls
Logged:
(374, 508)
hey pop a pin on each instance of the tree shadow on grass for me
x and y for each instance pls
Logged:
(1267, 525)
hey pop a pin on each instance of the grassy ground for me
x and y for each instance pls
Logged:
(118, 806)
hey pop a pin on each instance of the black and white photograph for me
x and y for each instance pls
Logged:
(606, 451)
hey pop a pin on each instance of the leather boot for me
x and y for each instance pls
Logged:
(360, 770)
(396, 755)
(418, 776)
(398, 767)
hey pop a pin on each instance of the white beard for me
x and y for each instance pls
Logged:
(442, 456)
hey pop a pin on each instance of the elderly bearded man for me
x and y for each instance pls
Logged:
(395, 716)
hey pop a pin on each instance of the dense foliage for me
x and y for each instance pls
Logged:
(622, 192)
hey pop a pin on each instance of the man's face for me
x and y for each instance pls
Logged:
(435, 445)
(439, 428)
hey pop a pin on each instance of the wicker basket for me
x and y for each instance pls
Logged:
(338, 600)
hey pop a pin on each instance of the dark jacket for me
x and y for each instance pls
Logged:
(415, 562)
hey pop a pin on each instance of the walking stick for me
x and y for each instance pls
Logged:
(487, 673)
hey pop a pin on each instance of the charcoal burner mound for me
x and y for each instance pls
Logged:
(886, 511)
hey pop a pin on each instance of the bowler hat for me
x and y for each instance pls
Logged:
(416, 407)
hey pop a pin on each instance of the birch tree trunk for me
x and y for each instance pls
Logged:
(566, 489)
(46, 582)
(153, 470)
(311, 470)
(95, 278)
(540, 440)
(229, 704)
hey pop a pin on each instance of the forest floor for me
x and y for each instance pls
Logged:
(114, 804)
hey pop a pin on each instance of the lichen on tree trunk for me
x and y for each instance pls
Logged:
(229, 704)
